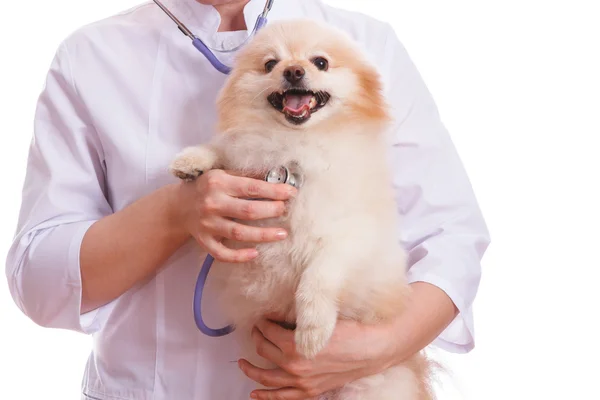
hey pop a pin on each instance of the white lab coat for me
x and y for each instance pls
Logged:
(122, 97)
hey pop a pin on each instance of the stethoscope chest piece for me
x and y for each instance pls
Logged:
(283, 174)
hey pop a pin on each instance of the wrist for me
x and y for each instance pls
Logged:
(175, 207)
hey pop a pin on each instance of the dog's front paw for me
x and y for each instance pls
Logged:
(193, 162)
(314, 327)
(311, 340)
(316, 306)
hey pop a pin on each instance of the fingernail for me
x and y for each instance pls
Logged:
(253, 396)
(281, 234)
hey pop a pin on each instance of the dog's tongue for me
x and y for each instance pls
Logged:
(296, 102)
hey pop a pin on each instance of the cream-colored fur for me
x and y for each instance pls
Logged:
(342, 258)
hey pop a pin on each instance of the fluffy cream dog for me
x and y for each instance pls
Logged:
(303, 96)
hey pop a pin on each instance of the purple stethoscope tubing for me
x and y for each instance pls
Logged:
(208, 261)
(261, 21)
(275, 175)
(219, 66)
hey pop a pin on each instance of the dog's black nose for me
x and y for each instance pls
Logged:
(294, 73)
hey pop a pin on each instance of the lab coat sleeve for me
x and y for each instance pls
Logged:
(63, 195)
(442, 226)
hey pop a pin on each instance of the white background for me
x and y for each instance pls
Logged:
(518, 85)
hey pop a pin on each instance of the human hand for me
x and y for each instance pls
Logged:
(353, 352)
(208, 204)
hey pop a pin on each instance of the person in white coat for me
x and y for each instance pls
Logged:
(109, 243)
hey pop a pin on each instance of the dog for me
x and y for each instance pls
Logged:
(302, 95)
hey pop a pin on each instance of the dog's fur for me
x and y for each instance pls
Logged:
(342, 258)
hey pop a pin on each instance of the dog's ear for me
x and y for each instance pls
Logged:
(371, 102)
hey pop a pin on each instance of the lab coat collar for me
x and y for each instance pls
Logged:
(205, 19)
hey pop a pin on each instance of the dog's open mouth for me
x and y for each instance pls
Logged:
(298, 104)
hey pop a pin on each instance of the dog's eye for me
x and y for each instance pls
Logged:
(321, 63)
(270, 65)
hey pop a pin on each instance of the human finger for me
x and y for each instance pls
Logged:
(251, 210)
(286, 393)
(272, 378)
(301, 369)
(309, 388)
(243, 233)
(244, 187)
(279, 336)
(224, 254)
(265, 348)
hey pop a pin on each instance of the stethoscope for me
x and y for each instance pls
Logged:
(276, 175)
(280, 174)
(261, 21)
